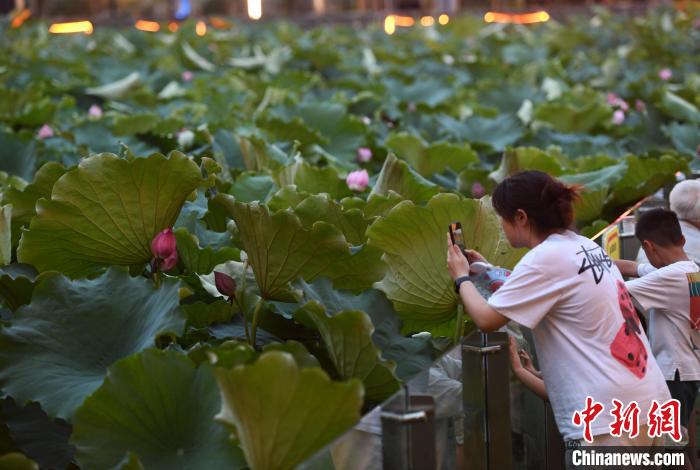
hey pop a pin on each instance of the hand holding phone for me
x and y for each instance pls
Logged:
(457, 236)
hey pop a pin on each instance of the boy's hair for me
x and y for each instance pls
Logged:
(659, 226)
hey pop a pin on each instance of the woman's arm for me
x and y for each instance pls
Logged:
(486, 318)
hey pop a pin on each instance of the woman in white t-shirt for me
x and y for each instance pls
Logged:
(587, 335)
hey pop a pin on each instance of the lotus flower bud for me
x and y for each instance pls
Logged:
(164, 249)
(364, 154)
(95, 111)
(612, 99)
(225, 284)
(478, 190)
(45, 132)
(357, 180)
(618, 117)
(187, 76)
(185, 138)
(665, 74)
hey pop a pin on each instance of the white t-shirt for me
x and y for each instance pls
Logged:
(665, 294)
(572, 296)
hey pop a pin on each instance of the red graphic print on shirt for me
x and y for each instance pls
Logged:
(627, 347)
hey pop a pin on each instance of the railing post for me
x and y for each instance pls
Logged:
(408, 432)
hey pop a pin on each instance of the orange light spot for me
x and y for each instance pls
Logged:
(148, 26)
(21, 17)
(173, 26)
(443, 19)
(524, 18)
(72, 27)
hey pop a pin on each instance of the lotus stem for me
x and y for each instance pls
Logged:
(258, 308)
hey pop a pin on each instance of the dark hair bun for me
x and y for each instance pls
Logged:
(547, 201)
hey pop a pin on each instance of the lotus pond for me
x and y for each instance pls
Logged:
(308, 177)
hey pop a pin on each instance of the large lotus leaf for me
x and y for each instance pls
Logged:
(348, 339)
(579, 111)
(685, 137)
(17, 154)
(412, 355)
(343, 131)
(106, 212)
(498, 132)
(199, 260)
(283, 414)
(280, 249)
(57, 349)
(24, 200)
(159, 406)
(250, 187)
(596, 186)
(37, 436)
(413, 240)
(429, 159)
(518, 159)
(312, 179)
(644, 176)
(320, 207)
(399, 177)
(680, 109)
(358, 270)
(17, 284)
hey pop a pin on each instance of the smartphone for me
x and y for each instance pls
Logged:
(456, 235)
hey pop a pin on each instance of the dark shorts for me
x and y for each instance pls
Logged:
(685, 392)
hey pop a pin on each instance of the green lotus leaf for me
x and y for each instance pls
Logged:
(399, 177)
(17, 461)
(320, 207)
(348, 339)
(359, 270)
(286, 197)
(199, 260)
(250, 187)
(413, 239)
(518, 159)
(159, 406)
(200, 314)
(17, 284)
(685, 137)
(597, 185)
(106, 212)
(135, 124)
(381, 204)
(57, 349)
(680, 109)
(281, 413)
(412, 355)
(497, 133)
(17, 154)
(280, 249)
(578, 111)
(429, 159)
(312, 179)
(116, 89)
(24, 200)
(37, 436)
(301, 355)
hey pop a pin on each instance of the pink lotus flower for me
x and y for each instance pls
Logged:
(364, 154)
(640, 106)
(95, 111)
(357, 180)
(616, 101)
(225, 284)
(665, 74)
(45, 132)
(164, 249)
(187, 76)
(618, 117)
(478, 190)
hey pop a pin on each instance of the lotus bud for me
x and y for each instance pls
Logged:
(364, 154)
(45, 132)
(95, 111)
(665, 74)
(478, 190)
(164, 244)
(185, 138)
(618, 117)
(169, 263)
(187, 76)
(357, 180)
(225, 284)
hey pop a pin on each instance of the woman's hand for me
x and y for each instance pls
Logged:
(457, 262)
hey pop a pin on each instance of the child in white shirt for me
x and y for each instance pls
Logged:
(669, 289)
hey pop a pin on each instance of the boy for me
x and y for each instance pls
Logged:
(669, 289)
